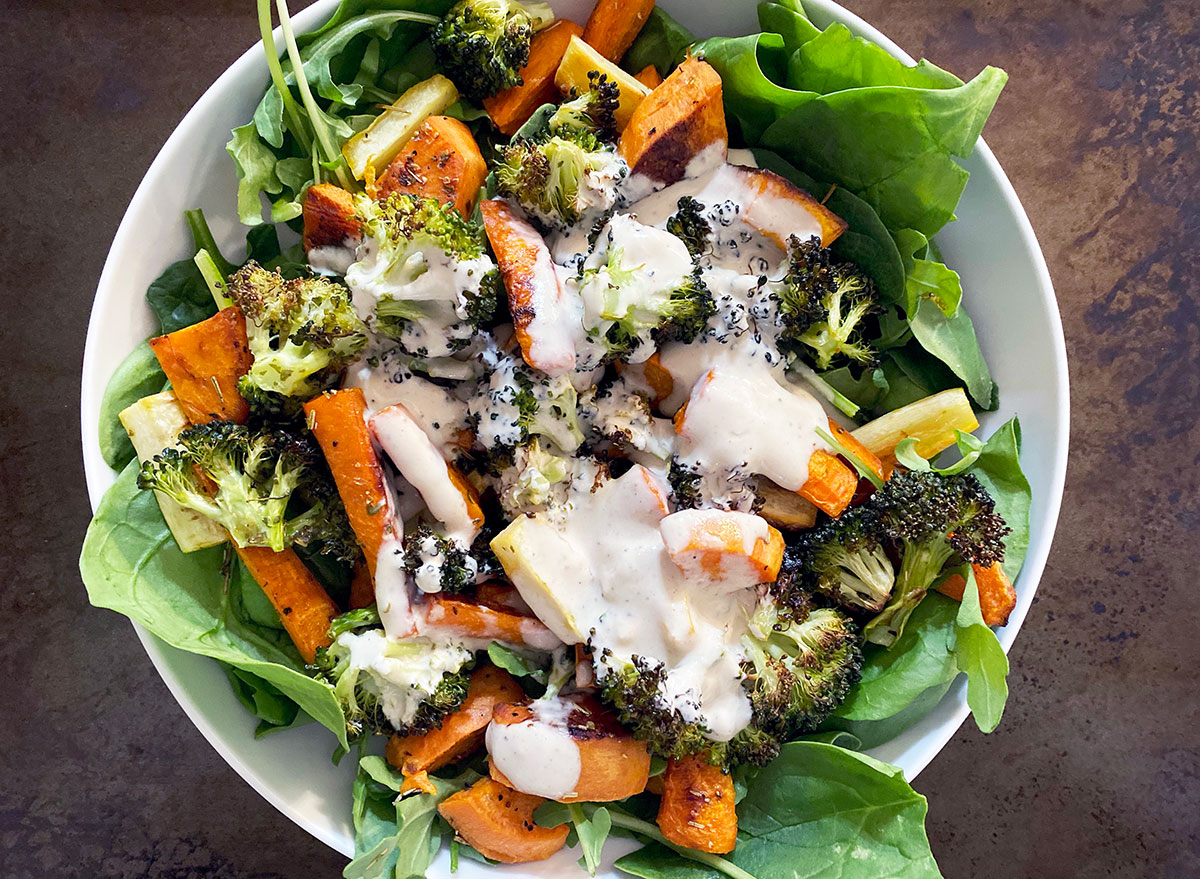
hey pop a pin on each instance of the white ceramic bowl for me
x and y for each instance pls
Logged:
(991, 245)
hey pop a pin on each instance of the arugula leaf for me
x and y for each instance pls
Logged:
(131, 564)
(592, 833)
(139, 375)
(255, 171)
(979, 654)
(969, 446)
(516, 664)
(661, 42)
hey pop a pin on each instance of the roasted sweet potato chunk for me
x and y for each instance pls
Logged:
(328, 216)
(697, 808)
(512, 107)
(204, 362)
(498, 822)
(676, 121)
(614, 25)
(441, 161)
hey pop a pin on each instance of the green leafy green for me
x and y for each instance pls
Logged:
(139, 375)
(969, 446)
(751, 70)
(179, 297)
(998, 467)
(788, 19)
(275, 711)
(517, 664)
(255, 165)
(834, 60)
(592, 832)
(395, 835)
(131, 564)
(978, 653)
(952, 340)
(661, 42)
(926, 278)
(817, 811)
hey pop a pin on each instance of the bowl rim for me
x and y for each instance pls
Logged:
(99, 476)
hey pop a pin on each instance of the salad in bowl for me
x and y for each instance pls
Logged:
(588, 437)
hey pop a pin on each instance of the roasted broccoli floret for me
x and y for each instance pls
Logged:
(594, 112)
(426, 267)
(483, 44)
(438, 563)
(685, 485)
(687, 311)
(690, 226)
(562, 179)
(823, 305)
(265, 486)
(845, 558)
(635, 690)
(798, 668)
(933, 519)
(302, 333)
(513, 404)
(385, 685)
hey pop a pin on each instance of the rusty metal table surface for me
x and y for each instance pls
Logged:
(1095, 770)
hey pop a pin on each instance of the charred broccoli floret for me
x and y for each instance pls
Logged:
(798, 668)
(933, 519)
(483, 44)
(823, 305)
(685, 485)
(690, 226)
(302, 333)
(687, 312)
(427, 269)
(386, 685)
(513, 404)
(270, 486)
(438, 563)
(845, 558)
(567, 173)
(635, 690)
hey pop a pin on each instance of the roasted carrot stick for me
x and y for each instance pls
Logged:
(441, 161)
(338, 421)
(204, 362)
(697, 808)
(512, 107)
(461, 731)
(614, 25)
(463, 618)
(649, 76)
(304, 606)
(328, 216)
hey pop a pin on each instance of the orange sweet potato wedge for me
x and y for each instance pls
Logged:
(498, 822)
(697, 809)
(461, 731)
(303, 605)
(614, 25)
(648, 76)
(512, 107)
(328, 216)
(441, 161)
(543, 327)
(467, 619)
(713, 543)
(778, 208)
(204, 362)
(338, 421)
(612, 764)
(997, 597)
(865, 456)
(679, 119)
(831, 484)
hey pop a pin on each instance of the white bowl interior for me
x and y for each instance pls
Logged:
(991, 245)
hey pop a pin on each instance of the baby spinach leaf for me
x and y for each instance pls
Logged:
(952, 340)
(998, 467)
(926, 278)
(835, 59)
(275, 711)
(516, 664)
(752, 69)
(139, 375)
(131, 564)
(788, 19)
(660, 42)
(179, 297)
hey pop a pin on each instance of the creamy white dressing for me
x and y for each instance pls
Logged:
(739, 419)
(538, 755)
(717, 544)
(602, 573)
(333, 259)
(422, 465)
(441, 415)
(405, 672)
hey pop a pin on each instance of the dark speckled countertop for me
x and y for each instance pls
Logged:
(1095, 770)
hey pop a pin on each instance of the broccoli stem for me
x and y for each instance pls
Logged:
(212, 277)
(332, 153)
(645, 828)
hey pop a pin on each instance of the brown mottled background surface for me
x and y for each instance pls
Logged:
(1096, 768)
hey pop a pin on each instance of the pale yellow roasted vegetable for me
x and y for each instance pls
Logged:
(785, 509)
(370, 151)
(932, 421)
(580, 59)
(153, 423)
